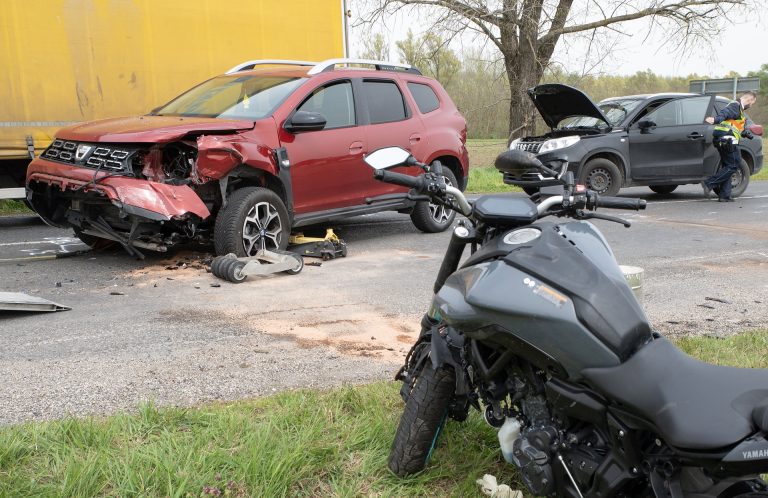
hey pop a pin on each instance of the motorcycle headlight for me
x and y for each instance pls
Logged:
(558, 143)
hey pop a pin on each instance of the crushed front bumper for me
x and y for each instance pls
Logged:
(143, 198)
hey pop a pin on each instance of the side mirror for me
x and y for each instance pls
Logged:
(388, 157)
(756, 129)
(645, 125)
(305, 121)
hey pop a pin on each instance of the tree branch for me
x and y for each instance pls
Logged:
(682, 10)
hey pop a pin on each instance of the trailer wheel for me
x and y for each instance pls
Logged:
(218, 263)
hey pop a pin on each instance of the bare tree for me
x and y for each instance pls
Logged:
(526, 32)
(375, 47)
(430, 53)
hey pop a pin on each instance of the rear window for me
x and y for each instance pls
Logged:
(425, 97)
(385, 102)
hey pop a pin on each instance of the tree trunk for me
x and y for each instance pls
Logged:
(523, 74)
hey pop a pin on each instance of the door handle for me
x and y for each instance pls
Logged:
(414, 138)
(695, 135)
(355, 147)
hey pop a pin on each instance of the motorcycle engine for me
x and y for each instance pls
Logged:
(532, 455)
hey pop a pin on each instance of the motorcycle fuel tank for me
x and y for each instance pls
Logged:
(561, 292)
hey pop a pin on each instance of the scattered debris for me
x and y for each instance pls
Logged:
(215, 284)
(706, 306)
(18, 301)
(116, 293)
(717, 300)
(313, 263)
(490, 487)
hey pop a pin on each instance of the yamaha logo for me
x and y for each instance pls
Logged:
(749, 455)
(81, 151)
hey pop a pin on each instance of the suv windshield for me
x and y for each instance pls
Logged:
(614, 110)
(234, 96)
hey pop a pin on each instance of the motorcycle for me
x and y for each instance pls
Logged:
(539, 325)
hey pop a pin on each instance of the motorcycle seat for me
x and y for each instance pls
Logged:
(694, 405)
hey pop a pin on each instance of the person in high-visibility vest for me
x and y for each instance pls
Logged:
(730, 128)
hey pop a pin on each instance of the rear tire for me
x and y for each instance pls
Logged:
(433, 218)
(663, 189)
(422, 421)
(249, 211)
(602, 176)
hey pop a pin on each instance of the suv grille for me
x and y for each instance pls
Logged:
(529, 146)
(106, 157)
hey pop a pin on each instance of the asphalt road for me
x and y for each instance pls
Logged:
(140, 331)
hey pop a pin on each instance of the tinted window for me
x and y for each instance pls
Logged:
(335, 102)
(385, 102)
(680, 112)
(424, 96)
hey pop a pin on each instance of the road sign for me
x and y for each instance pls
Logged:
(725, 86)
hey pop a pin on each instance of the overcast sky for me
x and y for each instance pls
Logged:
(741, 47)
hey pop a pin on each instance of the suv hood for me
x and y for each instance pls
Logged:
(152, 129)
(555, 102)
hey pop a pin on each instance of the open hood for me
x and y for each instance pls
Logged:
(556, 102)
(151, 129)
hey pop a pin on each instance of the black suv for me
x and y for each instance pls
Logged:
(660, 140)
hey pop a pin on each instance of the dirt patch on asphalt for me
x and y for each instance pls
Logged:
(352, 330)
(183, 265)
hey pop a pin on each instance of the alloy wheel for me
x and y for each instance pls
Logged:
(262, 229)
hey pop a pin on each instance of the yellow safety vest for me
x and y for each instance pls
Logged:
(734, 126)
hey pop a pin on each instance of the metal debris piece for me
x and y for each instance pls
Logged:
(717, 300)
(18, 301)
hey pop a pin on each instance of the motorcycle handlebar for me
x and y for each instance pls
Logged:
(620, 203)
(399, 179)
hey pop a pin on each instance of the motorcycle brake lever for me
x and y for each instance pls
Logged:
(418, 198)
(586, 216)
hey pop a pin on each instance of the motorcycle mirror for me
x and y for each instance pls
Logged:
(388, 157)
(517, 162)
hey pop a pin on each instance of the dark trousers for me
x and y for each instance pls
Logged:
(721, 180)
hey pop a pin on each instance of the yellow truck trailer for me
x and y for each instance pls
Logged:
(66, 61)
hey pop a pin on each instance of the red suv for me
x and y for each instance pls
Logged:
(244, 157)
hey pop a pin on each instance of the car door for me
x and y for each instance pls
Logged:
(390, 122)
(327, 165)
(674, 146)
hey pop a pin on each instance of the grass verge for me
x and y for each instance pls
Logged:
(10, 207)
(301, 443)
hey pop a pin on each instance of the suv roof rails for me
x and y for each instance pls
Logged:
(245, 66)
(328, 65)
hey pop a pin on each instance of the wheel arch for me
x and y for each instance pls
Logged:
(747, 155)
(612, 155)
(454, 164)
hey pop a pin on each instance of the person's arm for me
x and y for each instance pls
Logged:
(731, 111)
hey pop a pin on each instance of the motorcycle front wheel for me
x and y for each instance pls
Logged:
(422, 421)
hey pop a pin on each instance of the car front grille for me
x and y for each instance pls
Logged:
(533, 147)
(106, 157)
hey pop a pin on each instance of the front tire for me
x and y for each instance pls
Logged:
(422, 421)
(255, 218)
(602, 176)
(434, 218)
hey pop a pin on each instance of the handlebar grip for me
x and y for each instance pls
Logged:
(398, 179)
(620, 203)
